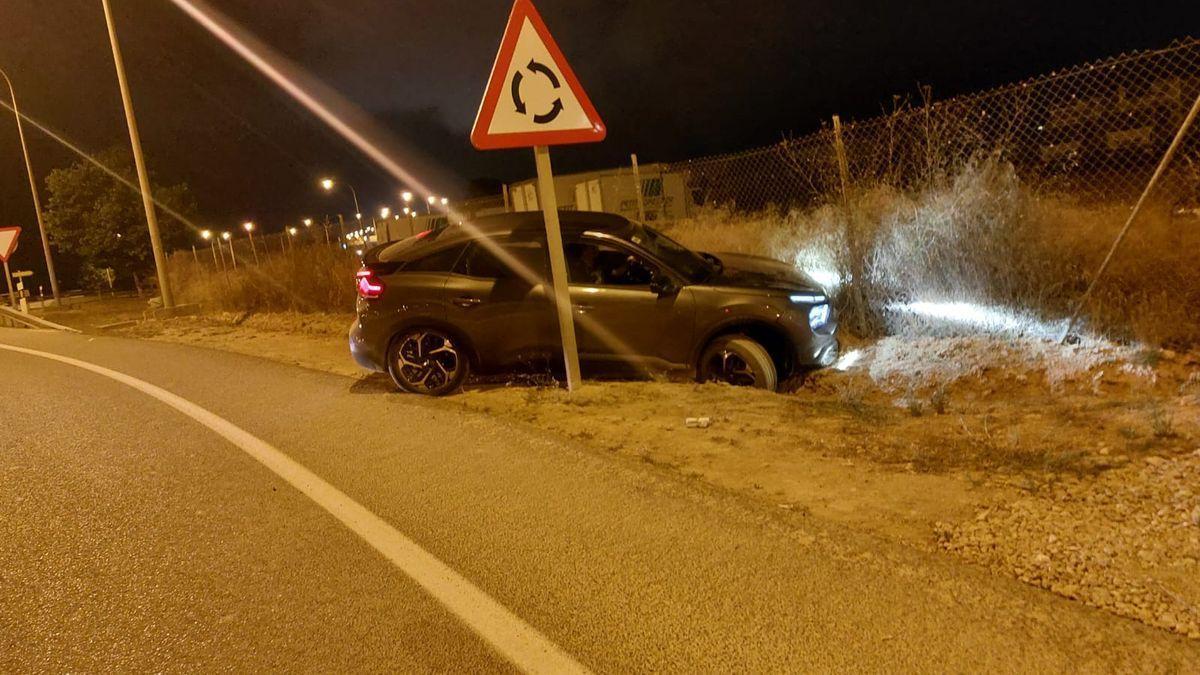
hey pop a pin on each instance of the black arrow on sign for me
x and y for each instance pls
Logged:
(550, 116)
(516, 93)
(535, 67)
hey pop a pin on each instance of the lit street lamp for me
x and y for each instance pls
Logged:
(249, 227)
(37, 202)
(385, 212)
(328, 184)
(207, 235)
(228, 237)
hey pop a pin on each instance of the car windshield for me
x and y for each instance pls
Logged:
(682, 259)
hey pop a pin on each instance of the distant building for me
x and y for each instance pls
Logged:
(664, 194)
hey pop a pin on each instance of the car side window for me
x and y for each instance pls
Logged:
(440, 261)
(482, 263)
(592, 263)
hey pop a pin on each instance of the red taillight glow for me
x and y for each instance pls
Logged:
(369, 286)
(422, 235)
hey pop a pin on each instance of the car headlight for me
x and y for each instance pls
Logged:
(818, 316)
(809, 299)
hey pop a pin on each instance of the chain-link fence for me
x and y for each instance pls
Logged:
(1097, 129)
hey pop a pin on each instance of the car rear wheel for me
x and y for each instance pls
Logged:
(739, 361)
(427, 361)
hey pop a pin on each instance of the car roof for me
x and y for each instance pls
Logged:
(533, 223)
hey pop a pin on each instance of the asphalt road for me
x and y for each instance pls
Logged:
(133, 537)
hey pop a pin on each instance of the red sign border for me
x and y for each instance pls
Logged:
(482, 140)
(5, 256)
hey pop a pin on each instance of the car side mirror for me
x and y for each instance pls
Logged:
(661, 284)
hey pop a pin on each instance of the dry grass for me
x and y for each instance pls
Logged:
(985, 239)
(308, 279)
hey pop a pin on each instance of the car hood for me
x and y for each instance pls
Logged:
(750, 271)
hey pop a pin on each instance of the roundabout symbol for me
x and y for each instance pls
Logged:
(556, 108)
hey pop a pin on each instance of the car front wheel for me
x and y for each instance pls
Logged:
(739, 361)
(427, 361)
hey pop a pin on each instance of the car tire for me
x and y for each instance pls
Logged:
(739, 361)
(428, 361)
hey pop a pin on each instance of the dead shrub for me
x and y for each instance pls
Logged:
(983, 238)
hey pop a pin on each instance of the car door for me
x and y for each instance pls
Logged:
(619, 317)
(505, 313)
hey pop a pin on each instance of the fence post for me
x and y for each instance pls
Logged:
(855, 298)
(637, 186)
(839, 147)
(507, 200)
(1137, 210)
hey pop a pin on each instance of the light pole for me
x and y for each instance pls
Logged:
(37, 202)
(160, 257)
(207, 235)
(329, 184)
(229, 239)
(249, 227)
(292, 232)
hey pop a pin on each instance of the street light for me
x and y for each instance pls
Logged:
(37, 202)
(445, 201)
(329, 184)
(385, 212)
(406, 196)
(249, 228)
(228, 237)
(207, 235)
(308, 222)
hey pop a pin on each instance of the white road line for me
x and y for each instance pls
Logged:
(514, 639)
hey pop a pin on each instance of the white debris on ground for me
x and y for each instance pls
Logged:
(900, 363)
(1127, 542)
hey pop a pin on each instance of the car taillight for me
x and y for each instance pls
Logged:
(369, 285)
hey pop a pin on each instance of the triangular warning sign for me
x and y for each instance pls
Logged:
(533, 97)
(8, 242)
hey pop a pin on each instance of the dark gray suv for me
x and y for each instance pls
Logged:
(476, 298)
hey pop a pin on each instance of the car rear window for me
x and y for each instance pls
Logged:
(480, 262)
(407, 248)
(438, 261)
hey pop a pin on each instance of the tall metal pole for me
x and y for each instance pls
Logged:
(37, 201)
(558, 267)
(357, 209)
(135, 140)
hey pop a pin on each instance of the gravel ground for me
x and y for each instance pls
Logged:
(1127, 542)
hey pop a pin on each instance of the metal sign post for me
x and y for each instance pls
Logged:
(8, 246)
(558, 265)
(533, 100)
(12, 294)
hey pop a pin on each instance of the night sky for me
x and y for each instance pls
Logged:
(672, 78)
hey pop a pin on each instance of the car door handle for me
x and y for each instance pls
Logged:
(467, 302)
